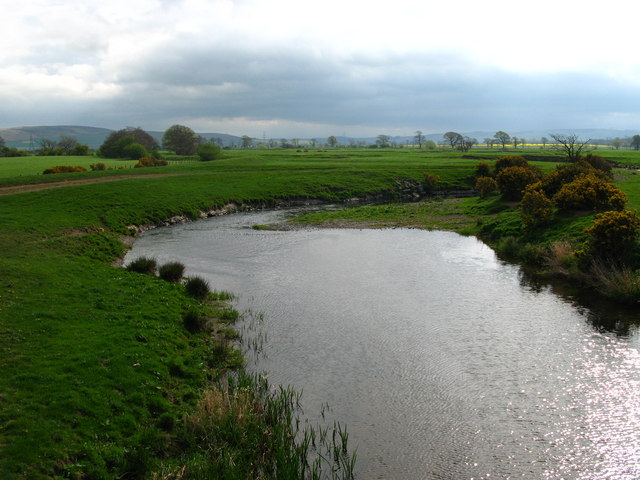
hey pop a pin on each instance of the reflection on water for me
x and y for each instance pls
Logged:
(444, 362)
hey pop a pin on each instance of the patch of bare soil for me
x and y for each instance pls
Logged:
(35, 187)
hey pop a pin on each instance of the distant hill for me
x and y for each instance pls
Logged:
(27, 137)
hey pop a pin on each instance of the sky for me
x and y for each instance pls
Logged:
(308, 68)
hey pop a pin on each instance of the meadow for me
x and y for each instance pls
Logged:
(99, 375)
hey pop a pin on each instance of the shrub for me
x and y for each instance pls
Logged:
(98, 166)
(430, 181)
(513, 180)
(143, 265)
(134, 151)
(486, 186)
(554, 180)
(197, 287)
(171, 272)
(598, 162)
(535, 208)
(509, 161)
(483, 169)
(613, 234)
(64, 169)
(150, 162)
(208, 152)
(589, 192)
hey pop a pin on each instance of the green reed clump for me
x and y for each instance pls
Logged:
(246, 429)
(197, 287)
(618, 282)
(171, 272)
(143, 265)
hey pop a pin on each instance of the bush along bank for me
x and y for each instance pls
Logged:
(570, 222)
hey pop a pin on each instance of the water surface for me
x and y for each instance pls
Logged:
(441, 360)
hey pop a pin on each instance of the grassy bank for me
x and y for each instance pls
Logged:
(100, 378)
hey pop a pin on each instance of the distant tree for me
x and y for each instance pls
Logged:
(208, 152)
(247, 141)
(515, 141)
(570, 145)
(114, 144)
(313, 142)
(544, 141)
(419, 138)
(617, 143)
(3, 144)
(47, 147)
(295, 142)
(453, 139)
(489, 142)
(502, 138)
(181, 140)
(383, 141)
(429, 144)
(635, 142)
(134, 151)
(467, 143)
(332, 141)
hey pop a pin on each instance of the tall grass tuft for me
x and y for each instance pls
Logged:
(172, 271)
(193, 320)
(617, 282)
(247, 429)
(197, 287)
(560, 258)
(143, 265)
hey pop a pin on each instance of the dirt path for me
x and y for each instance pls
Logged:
(35, 187)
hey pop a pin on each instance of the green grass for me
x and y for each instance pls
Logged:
(96, 363)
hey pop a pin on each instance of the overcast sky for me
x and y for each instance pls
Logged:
(301, 68)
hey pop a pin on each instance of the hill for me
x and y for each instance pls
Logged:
(27, 137)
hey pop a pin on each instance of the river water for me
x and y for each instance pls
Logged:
(443, 361)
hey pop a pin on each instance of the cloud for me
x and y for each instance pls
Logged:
(288, 67)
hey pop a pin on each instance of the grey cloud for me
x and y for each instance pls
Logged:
(430, 92)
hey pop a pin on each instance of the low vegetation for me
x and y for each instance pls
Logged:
(109, 373)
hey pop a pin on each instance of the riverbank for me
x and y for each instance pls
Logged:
(96, 362)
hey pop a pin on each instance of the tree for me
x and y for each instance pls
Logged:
(502, 138)
(570, 145)
(467, 143)
(419, 138)
(635, 142)
(383, 141)
(313, 142)
(209, 151)
(454, 139)
(617, 143)
(2, 143)
(332, 141)
(247, 141)
(429, 144)
(113, 145)
(181, 140)
(544, 141)
(489, 142)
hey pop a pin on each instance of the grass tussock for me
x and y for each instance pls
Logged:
(620, 283)
(172, 271)
(561, 259)
(143, 265)
(197, 287)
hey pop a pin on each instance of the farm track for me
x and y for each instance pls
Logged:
(35, 187)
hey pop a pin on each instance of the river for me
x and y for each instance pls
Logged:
(442, 361)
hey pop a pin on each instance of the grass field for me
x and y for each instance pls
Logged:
(97, 369)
